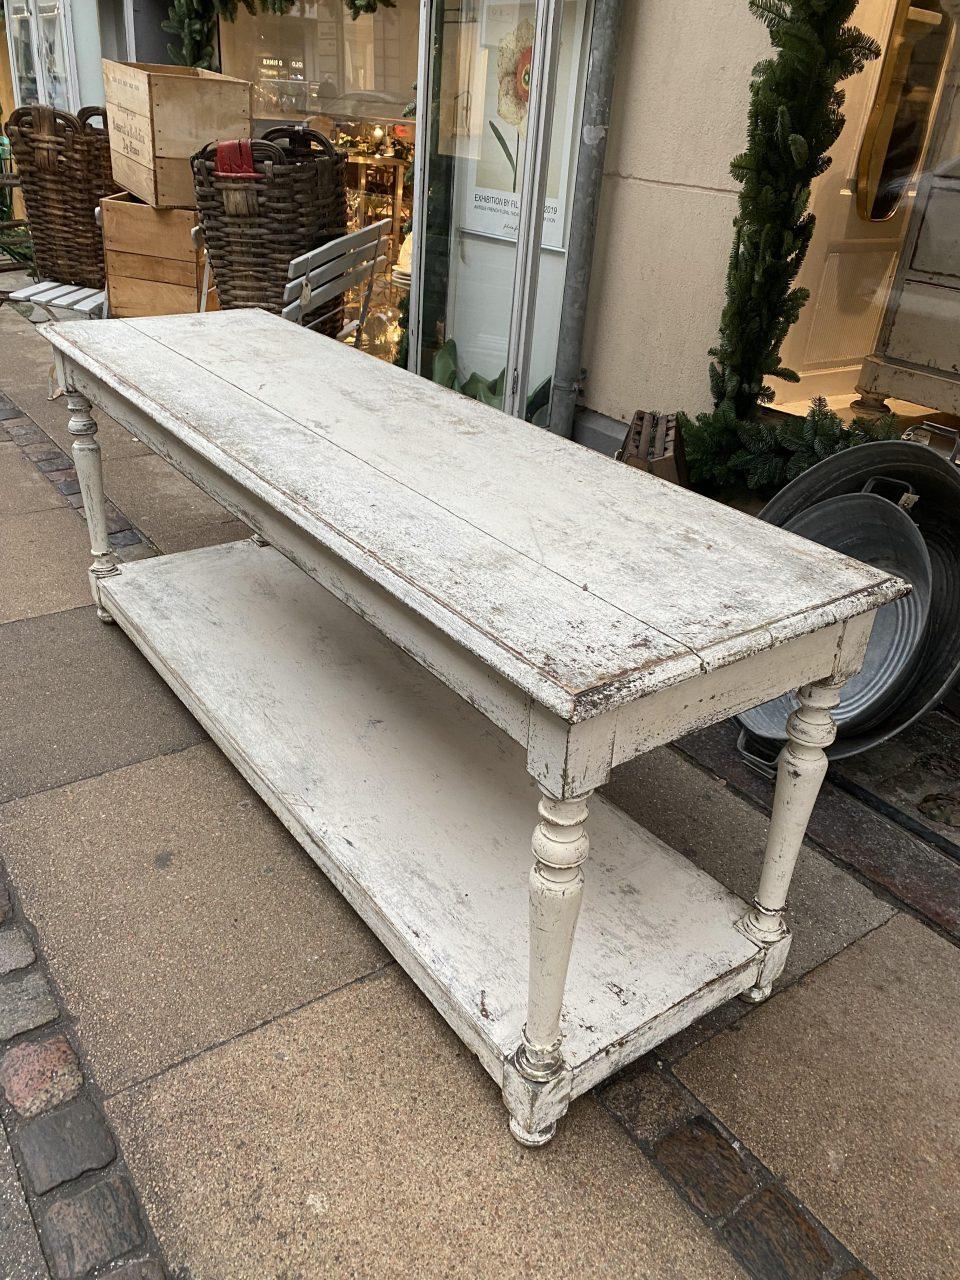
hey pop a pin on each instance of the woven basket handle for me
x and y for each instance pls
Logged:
(86, 114)
(45, 140)
(300, 139)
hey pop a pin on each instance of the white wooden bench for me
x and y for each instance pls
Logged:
(448, 616)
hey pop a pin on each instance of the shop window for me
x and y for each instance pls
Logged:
(899, 124)
(315, 61)
(353, 81)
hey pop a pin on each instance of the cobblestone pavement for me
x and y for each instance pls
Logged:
(68, 1207)
(211, 1070)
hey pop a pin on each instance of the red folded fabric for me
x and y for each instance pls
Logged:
(235, 160)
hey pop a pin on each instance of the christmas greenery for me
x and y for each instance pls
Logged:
(767, 453)
(356, 8)
(194, 23)
(794, 119)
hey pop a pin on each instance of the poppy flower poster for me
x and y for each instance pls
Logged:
(501, 64)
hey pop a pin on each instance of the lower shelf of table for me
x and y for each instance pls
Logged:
(421, 812)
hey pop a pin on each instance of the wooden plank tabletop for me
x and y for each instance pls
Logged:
(584, 582)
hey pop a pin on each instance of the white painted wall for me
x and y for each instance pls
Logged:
(679, 117)
(87, 50)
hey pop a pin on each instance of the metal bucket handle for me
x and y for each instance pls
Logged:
(766, 767)
(908, 495)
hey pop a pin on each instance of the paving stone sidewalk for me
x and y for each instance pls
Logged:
(211, 1070)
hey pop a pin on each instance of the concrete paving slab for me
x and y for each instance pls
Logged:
(700, 817)
(77, 699)
(204, 535)
(22, 487)
(358, 1137)
(175, 910)
(25, 363)
(847, 1085)
(158, 500)
(115, 441)
(20, 1256)
(44, 558)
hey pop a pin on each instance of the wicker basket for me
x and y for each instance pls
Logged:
(253, 224)
(64, 164)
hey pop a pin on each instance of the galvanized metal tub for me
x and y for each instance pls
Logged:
(875, 530)
(935, 666)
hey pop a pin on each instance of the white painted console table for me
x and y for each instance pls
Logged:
(444, 610)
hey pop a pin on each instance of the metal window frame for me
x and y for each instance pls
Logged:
(421, 157)
(536, 159)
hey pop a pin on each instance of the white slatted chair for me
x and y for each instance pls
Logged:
(46, 294)
(324, 275)
(91, 303)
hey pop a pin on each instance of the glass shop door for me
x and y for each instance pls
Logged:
(499, 100)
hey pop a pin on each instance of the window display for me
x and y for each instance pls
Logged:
(353, 81)
(317, 60)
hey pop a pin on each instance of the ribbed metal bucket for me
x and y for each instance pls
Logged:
(935, 664)
(876, 531)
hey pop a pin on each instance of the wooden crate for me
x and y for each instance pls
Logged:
(153, 268)
(159, 116)
(654, 443)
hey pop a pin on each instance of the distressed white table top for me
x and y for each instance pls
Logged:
(584, 582)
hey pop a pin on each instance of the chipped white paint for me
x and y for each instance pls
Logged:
(583, 611)
(586, 583)
(89, 468)
(560, 847)
(800, 773)
(431, 843)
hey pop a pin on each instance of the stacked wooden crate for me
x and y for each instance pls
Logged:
(153, 267)
(158, 117)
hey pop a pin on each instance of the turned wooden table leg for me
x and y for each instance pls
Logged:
(801, 770)
(536, 1079)
(86, 456)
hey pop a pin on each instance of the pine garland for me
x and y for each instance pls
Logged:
(357, 8)
(766, 454)
(794, 119)
(194, 23)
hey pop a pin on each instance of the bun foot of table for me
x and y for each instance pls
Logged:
(756, 995)
(540, 1138)
(535, 1105)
